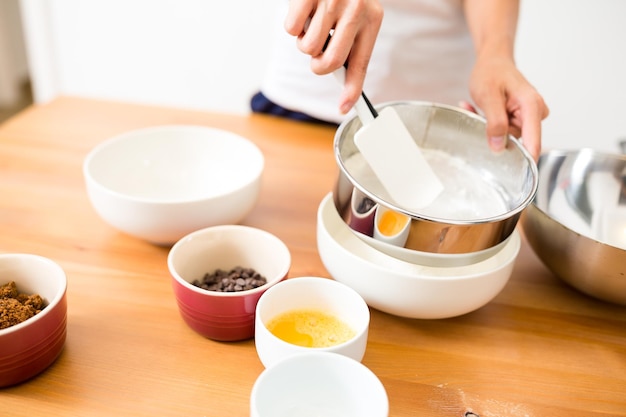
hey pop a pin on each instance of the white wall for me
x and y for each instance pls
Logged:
(574, 53)
(201, 54)
(209, 54)
(13, 66)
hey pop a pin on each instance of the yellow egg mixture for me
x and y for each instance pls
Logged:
(310, 328)
(391, 223)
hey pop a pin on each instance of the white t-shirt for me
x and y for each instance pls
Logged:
(423, 52)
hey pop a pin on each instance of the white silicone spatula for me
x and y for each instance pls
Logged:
(394, 157)
(392, 154)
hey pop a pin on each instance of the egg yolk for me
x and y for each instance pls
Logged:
(310, 328)
(391, 223)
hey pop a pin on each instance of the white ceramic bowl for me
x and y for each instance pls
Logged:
(164, 182)
(225, 316)
(407, 289)
(318, 384)
(28, 348)
(310, 293)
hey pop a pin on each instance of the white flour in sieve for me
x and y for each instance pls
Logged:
(466, 195)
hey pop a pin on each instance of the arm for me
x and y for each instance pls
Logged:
(355, 23)
(510, 103)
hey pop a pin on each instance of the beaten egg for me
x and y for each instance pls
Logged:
(392, 223)
(310, 328)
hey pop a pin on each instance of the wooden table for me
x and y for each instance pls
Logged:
(538, 349)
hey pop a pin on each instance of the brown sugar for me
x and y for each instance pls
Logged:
(15, 307)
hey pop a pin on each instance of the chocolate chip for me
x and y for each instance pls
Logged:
(237, 279)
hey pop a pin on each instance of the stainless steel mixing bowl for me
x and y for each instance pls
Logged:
(484, 192)
(577, 222)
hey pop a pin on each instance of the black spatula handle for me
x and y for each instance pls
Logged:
(345, 65)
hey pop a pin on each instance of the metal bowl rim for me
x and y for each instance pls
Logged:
(416, 216)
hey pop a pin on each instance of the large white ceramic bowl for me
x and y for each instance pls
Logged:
(161, 183)
(407, 289)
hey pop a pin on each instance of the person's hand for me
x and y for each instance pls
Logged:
(355, 25)
(509, 103)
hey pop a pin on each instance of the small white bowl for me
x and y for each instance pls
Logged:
(408, 289)
(396, 239)
(164, 182)
(310, 293)
(318, 384)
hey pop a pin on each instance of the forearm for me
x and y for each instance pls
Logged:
(509, 102)
(493, 25)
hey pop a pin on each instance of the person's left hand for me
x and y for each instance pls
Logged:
(509, 102)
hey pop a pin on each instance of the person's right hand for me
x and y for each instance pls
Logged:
(355, 25)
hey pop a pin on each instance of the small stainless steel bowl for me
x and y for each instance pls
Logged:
(577, 222)
(469, 228)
